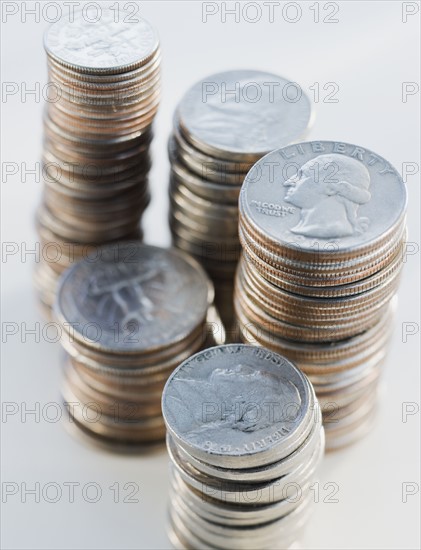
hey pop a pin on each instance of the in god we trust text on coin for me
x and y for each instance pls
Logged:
(323, 192)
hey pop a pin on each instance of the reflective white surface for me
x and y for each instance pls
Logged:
(369, 54)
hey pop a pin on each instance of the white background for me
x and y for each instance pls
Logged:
(368, 53)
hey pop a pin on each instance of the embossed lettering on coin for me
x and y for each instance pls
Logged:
(235, 400)
(341, 194)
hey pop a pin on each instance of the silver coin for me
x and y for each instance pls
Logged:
(259, 474)
(113, 80)
(215, 169)
(232, 514)
(149, 429)
(103, 46)
(202, 231)
(246, 494)
(334, 269)
(242, 537)
(354, 288)
(316, 358)
(257, 118)
(323, 198)
(191, 203)
(231, 380)
(227, 194)
(226, 255)
(131, 297)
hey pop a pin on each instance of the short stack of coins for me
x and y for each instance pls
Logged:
(243, 428)
(322, 225)
(104, 83)
(223, 125)
(129, 314)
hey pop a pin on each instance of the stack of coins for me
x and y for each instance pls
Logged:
(104, 87)
(129, 314)
(224, 124)
(243, 430)
(322, 225)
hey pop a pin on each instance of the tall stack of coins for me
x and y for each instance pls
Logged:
(129, 314)
(223, 125)
(322, 225)
(104, 83)
(243, 429)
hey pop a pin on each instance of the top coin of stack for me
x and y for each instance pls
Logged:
(318, 219)
(222, 125)
(243, 428)
(322, 225)
(104, 83)
(129, 314)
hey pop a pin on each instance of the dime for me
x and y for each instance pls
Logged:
(97, 130)
(107, 46)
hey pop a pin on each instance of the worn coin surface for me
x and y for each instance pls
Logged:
(131, 297)
(243, 114)
(235, 405)
(106, 45)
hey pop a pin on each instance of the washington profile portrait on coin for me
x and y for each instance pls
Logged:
(321, 193)
(329, 190)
